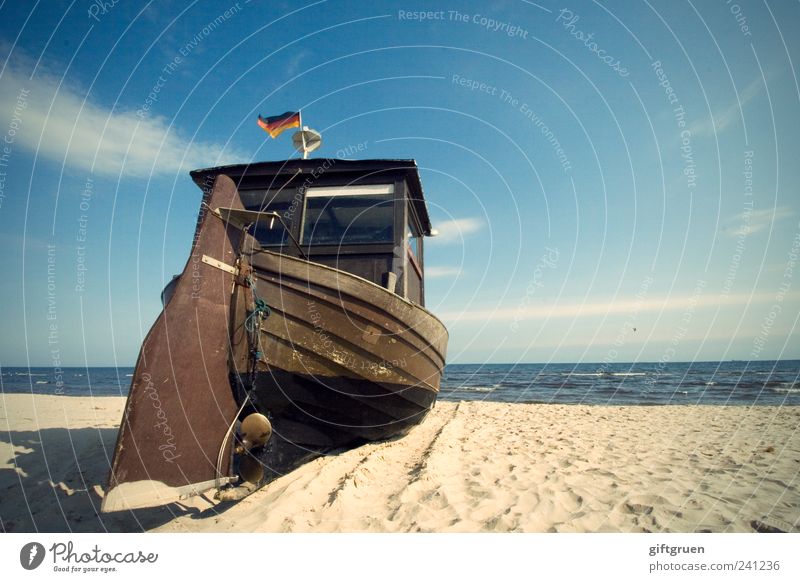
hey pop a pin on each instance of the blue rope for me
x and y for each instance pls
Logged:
(260, 311)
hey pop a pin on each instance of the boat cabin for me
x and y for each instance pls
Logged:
(365, 217)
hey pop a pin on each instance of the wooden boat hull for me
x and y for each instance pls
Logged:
(345, 359)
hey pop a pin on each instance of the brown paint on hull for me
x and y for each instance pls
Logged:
(344, 356)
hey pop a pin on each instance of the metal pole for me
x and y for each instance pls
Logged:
(303, 135)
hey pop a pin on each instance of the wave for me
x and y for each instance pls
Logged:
(597, 374)
(769, 384)
(702, 383)
(786, 388)
(516, 384)
(470, 389)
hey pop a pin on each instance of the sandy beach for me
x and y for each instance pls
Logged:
(469, 467)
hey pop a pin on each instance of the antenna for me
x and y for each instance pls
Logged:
(306, 140)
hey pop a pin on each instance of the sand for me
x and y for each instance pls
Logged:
(469, 467)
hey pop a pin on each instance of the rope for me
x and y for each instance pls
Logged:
(252, 323)
(260, 311)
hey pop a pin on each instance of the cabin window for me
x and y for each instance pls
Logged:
(279, 201)
(412, 235)
(342, 215)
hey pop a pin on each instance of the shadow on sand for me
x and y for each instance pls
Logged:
(56, 481)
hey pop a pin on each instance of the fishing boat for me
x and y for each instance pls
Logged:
(297, 327)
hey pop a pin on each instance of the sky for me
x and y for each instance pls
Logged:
(611, 182)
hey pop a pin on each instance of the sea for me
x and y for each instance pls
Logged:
(736, 383)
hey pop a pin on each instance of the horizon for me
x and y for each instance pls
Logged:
(641, 362)
(631, 207)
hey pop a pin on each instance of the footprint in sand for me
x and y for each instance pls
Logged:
(638, 508)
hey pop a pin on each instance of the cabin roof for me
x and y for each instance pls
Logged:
(332, 168)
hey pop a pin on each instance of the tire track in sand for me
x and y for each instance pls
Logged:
(338, 492)
(384, 471)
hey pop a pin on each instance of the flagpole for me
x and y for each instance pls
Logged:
(302, 134)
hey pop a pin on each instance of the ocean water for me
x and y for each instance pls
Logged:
(721, 383)
(725, 383)
(67, 381)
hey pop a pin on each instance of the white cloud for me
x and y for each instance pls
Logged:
(442, 272)
(57, 123)
(456, 230)
(723, 118)
(293, 64)
(524, 312)
(755, 221)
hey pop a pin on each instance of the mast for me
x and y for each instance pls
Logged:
(303, 130)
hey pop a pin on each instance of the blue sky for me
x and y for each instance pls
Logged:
(612, 182)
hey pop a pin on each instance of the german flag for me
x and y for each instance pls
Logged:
(274, 126)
